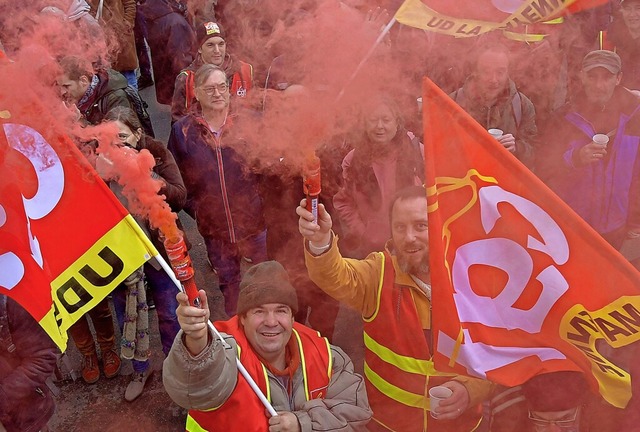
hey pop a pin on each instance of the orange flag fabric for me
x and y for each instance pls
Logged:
(465, 18)
(65, 240)
(521, 284)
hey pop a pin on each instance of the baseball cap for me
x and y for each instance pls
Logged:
(602, 58)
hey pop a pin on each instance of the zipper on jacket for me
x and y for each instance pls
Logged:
(223, 190)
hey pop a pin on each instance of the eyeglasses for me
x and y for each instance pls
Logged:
(220, 88)
(565, 423)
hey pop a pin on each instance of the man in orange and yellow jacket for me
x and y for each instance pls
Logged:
(392, 291)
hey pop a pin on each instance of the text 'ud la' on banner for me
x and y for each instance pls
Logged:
(65, 240)
(521, 284)
(464, 18)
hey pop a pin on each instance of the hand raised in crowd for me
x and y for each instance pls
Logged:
(104, 167)
(377, 16)
(508, 141)
(591, 153)
(285, 421)
(453, 406)
(318, 234)
(194, 322)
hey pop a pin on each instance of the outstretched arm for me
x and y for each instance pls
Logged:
(199, 372)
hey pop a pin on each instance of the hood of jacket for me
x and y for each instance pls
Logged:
(154, 9)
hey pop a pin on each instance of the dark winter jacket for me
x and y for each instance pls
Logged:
(173, 189)
(166, 170)
(605, 193)
(222, 190)
(362, 203)
(172, 42)
(26, 361)
(108, 94)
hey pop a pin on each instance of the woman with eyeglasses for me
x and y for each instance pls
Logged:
(161, 288)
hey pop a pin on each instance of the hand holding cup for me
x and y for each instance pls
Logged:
(508, 141)
(449, 400)
(595, 150)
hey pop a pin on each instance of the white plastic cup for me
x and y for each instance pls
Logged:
(436, 394)
(496, 133)
(419, 102)
(601, 139)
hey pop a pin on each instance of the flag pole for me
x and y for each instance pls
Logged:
(241, 367)
(366, 57)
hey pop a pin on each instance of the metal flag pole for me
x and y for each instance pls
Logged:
(366, 57)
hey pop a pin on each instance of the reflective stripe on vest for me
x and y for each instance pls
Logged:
(398, 365)
(316, 364)
(193, 426)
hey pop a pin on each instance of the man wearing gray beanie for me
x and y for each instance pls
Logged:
(310, 383)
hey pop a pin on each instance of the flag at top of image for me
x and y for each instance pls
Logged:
(464, 18)
(65, 240)
(521, 284)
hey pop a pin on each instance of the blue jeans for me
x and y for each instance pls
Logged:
(163, 291)
(131, 77)
(225, 257)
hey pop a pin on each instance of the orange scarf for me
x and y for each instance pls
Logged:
(292, 360)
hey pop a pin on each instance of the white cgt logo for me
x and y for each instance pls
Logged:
(50, 177)
(515, 260)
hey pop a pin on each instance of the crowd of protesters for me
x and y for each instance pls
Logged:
(236, 85)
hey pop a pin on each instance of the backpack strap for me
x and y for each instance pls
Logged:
(6, 342)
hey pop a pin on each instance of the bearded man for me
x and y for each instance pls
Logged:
(392, 291)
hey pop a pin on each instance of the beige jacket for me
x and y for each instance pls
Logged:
(208, 379)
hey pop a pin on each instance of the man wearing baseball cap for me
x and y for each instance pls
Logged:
(590, 153)
(212, 49)
(624, 35)
(310, 383)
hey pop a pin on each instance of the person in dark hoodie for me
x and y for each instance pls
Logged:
(212, 49)
(171, 40)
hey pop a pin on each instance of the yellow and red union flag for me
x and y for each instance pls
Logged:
(521, 284)
(463, 18)
(65, 240)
